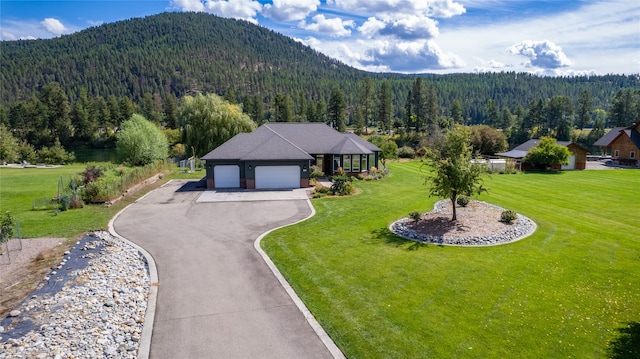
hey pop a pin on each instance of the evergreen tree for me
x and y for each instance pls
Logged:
(366, 98)
(585, 106)
(456, 111)
(385, 106)
(419, 104)
(625, 108)
(432, 108)
(57, 108)
(336, 115)
(283, 108)
(559, 114)
(493, 116)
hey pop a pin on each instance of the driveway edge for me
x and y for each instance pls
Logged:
(144, 346)
(324, 337)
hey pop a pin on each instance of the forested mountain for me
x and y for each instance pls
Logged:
(76, 90)
(185, 53)
(171, 52)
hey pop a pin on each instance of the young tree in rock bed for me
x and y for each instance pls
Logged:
(453, 172)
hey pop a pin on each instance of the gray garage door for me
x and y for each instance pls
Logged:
(277, 177)
(227, 176)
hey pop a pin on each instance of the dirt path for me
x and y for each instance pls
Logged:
(28, 266)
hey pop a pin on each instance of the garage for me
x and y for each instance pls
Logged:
(277, 177)
(227, 176)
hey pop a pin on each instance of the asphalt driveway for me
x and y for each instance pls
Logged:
(217, 298)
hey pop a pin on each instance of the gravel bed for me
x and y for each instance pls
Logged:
(92, 305)
(477, 225)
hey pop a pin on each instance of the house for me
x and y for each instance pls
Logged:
(606, 140)
(624, 143)
(577, 161)
(280, 155)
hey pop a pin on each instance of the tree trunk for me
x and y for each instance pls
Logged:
(453, 207)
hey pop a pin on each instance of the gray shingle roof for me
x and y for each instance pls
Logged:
(290, 141)
(608, 137)
(521, 150)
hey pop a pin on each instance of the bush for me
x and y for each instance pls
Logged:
(415, 216)
(93, 192)
(508, 216)
(406, 152)
(316, 172)
(91, 173)
(462, 201)
(55, 154)
(65, 202)
(342, 185)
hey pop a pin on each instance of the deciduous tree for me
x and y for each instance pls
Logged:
(207, 121)
(547, 153)
(141, 142)
(453, 174)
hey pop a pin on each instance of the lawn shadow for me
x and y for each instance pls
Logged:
(191, 186)
(627, 344)
(390, 238)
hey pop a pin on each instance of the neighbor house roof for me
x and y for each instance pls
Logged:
(521, 150)
(608, 137)
(290, 141)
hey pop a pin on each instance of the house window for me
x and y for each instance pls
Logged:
(336, 162)
(616, 153)
(363, 162)
(356, 163)
(632, 155)
(372, 160)
(319, 160)
(347, 163)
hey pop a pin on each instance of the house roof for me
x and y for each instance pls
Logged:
(521, 150)
(290, 141)
(608, 137)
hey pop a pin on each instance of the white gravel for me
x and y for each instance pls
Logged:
(91, 312)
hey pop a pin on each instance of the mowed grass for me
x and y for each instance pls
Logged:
(19, 186)
(566, 291)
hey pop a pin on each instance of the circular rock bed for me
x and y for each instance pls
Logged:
(477, 224)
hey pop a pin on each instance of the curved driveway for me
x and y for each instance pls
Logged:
(216, 296)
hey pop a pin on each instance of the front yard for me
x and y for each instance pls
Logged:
(569, 290)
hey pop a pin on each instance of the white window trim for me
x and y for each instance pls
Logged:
(632, 154)
(616, 153)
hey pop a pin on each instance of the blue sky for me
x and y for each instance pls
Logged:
(552, 37)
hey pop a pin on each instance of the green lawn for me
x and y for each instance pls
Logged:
(567, 291)
(19, 186)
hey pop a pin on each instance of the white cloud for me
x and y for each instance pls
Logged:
(237, 9)
(188, 5)
(601, 36)
(290, 10)
(544, 54)
(395, 8)
(408, 27)
(7, 36)
(334, 27)
(95, 22)
(411, 56)
(310, 41)
(54, 26)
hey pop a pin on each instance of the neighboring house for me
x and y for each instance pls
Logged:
(624, 143)
(577, 161)
(605, 141)
(280, 155)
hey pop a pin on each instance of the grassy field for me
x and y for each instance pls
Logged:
(570, 290)
(20, 186)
